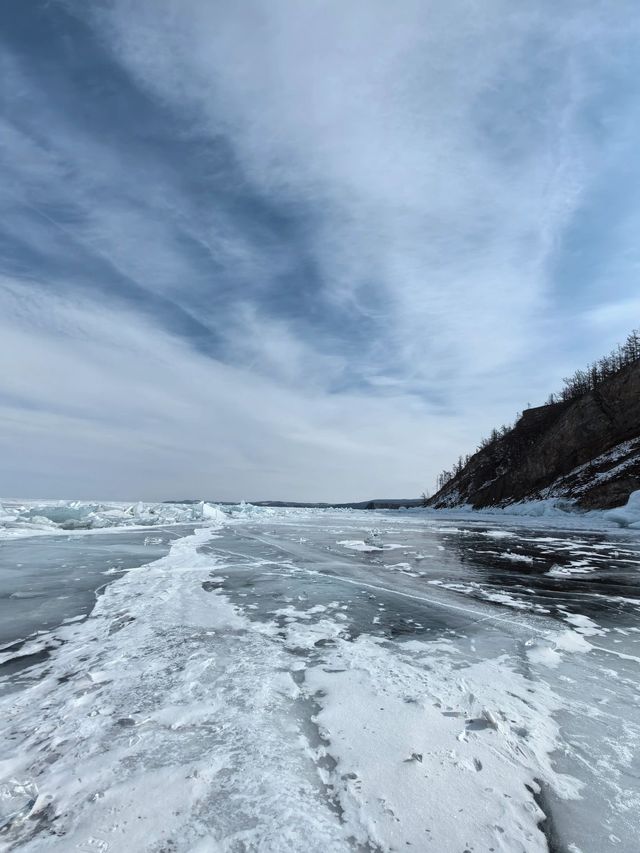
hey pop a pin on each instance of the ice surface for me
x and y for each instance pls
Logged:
(266, 688)
(168, 721)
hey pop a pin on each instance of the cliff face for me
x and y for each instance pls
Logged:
(587, 449)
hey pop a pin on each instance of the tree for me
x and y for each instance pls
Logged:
(582, 382)
(443, 478)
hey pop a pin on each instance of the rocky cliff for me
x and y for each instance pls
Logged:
(587, 449)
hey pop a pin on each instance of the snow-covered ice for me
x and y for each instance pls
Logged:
(271, 685)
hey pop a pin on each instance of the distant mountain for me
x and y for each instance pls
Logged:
(585, 447)
(383, 503)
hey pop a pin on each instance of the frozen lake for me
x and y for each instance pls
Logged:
(48, 579)
(323, 681)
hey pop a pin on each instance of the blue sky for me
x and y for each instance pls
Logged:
(302, 250)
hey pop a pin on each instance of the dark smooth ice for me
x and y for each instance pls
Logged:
(481, 562)
(45, 580)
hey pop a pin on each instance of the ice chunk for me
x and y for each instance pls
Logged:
(629, 515)
(17, 800)
(47, 517)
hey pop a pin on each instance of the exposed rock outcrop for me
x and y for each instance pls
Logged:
(586, 449)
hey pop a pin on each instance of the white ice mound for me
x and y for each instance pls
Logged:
(23, 519)
(629, 515)
(547, 507)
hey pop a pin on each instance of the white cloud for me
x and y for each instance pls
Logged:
(383, 118)
(437, 152)
(105, 405)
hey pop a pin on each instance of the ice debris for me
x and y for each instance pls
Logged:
(31, 518)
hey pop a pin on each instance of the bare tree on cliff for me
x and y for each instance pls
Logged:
(618, 359)
(443, 478)
(582, 382)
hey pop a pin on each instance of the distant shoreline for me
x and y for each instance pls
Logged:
(389, 503)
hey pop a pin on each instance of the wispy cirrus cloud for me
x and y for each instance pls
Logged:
(443, 151)
(103, 397)
(357, 220)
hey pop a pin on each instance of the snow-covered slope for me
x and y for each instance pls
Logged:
(615, 464)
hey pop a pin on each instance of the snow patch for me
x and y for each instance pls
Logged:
(370, 546)
(437, 757)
